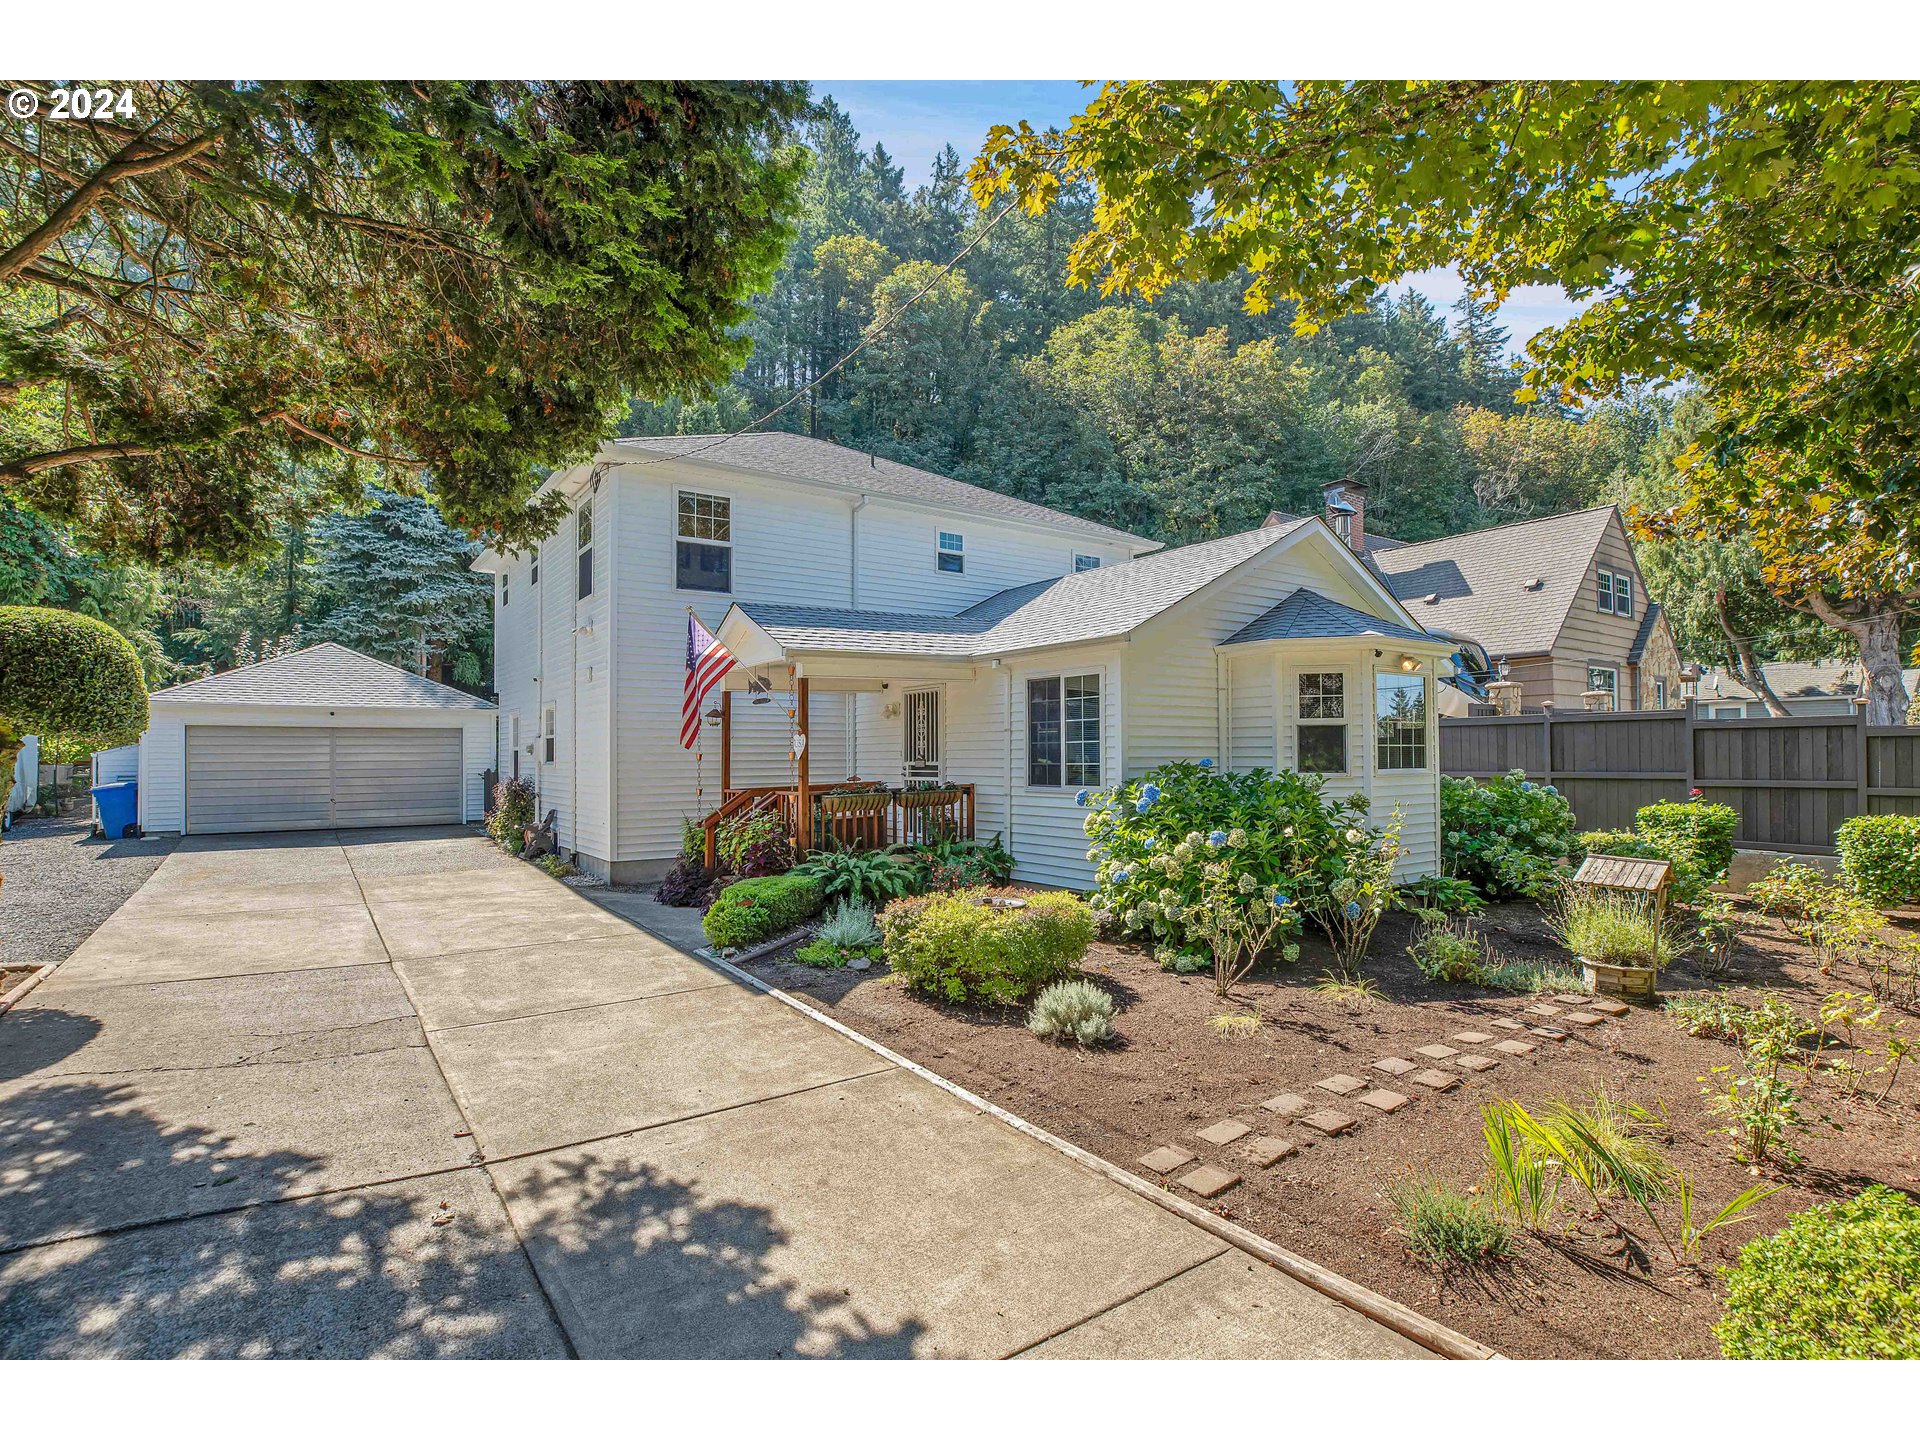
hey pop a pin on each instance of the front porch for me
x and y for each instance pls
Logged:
(848, 813)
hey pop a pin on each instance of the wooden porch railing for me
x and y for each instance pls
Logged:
(856, 820)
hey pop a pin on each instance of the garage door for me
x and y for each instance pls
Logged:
(286, 777)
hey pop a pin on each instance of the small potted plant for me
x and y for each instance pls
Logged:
(1621, 940)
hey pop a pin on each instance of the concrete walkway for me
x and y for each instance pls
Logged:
(390, 1093)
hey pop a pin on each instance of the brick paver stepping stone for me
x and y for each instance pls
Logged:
(1434, 1079)
(1515, 1047)
(1470, 1037)
(1394, 1065)
(1224, 1132)
(1165, 1160)
(1341, 1084)
(1476, 1062)
(1546, 1032)
(1383, 1100)
(1608, 1007)
(1329, 1122)
(1437, 1052)
(1208, 1181)
(1582, 1017)
(1505, 1024)
(1288, 1104)
(1266, 1150)
(1574, 1000)
(1543, 1010)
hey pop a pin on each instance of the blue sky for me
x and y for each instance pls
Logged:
(914, 118)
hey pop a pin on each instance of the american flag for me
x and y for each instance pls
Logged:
(707, 661)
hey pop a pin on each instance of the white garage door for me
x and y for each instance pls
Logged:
(286, 777)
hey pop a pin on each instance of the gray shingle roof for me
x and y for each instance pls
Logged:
(1797, 680)
(1509, 587)
(326, 675)
(776, 452)
(1374, 542)
(1091, 605)
(1650, 617)
(1309, 615)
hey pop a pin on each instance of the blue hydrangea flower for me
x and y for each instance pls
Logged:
(1280, 897)
(1353, 909)
(1142, 805)
(1526, 785)
(1217, 839)
(1206, 764)
(1551, 789)
(1149, 792)
(1082, 797)
(1120, 877)
(1147, 843)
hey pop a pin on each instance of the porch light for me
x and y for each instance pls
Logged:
(1409, 663)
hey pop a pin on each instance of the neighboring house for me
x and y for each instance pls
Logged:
(323, 738)
(944, 632)
(1558, 603)
(1816, 687)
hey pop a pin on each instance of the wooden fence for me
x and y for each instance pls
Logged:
(1793, 780)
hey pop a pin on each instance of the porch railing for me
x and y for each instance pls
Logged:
(852, 820)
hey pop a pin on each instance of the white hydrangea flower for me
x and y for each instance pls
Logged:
(1236, 838)
(1247, 884)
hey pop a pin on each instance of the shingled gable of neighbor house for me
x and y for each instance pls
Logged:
(1510, 587)
(325, 676)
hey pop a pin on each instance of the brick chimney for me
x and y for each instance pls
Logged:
(1347, 512)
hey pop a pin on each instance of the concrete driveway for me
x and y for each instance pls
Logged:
(391, 1093)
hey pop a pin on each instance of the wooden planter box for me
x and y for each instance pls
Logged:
(1635, 983)
(874, 802)
(927, 799)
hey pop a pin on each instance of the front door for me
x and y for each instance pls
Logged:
(923, 735)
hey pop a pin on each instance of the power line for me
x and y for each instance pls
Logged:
(873, 333)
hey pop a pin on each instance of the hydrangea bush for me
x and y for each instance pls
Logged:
(1171, 849)
(1508, 837)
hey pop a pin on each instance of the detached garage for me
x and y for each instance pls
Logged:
(323, 739)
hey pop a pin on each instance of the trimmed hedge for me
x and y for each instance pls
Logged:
(749, 911)
(1838, 1282)
(69, 675)
(961, 950)
(1703, 831)
(1880, 856)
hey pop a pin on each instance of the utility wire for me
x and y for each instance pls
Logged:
(874, 332)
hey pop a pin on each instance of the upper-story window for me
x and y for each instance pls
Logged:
(1615, 593)
(703, 543)
(952, 554)
(506, 583)
(533, 576)
(1085, 562)
(584, 524)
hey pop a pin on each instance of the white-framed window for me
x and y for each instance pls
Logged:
(1605, 678)
(583, 527)
(506, 587)
(1085, 562)
(1320, 729)
(703, 542)
(1614, 593)
(1659, 692)
(1400, 721)
(548, 734)
(1063, 731)
(951, 555)
(1728, 712)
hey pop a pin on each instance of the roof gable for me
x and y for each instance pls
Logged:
(1510, 587)
(326, 676)
(1309, 615)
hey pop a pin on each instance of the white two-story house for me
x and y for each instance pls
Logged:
(895, 625)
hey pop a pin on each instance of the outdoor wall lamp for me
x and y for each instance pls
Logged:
(1409, 663)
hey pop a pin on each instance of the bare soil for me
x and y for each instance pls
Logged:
(1593, 1291)
(12, 975)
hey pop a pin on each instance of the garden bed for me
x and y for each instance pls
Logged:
(1171, 1074)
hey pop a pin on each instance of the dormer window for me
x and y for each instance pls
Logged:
(951, 557)
(703, 542)
(1085, 562)
(1615, 593)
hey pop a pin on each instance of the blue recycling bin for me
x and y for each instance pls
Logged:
(119, 807)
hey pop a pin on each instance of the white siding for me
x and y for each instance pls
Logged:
(1252, 735)
(899, 547)
(762, 740)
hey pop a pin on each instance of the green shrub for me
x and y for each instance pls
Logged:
(1703, 832)
(66, 676)
(1880, 856)
(749, 911)
(1791, 890)
(962, 950)
(1076, 1010)
(1689, 882)
(512, 814)
(1155, 841)
(1445, 893)
(825, 955)
(556, 867)
(1445, 1226)
(1610, 927)
(870, 877)
(1838, 1282)
(1507, 837)
(1449, 953)
(958, 864)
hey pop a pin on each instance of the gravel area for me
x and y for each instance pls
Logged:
(61, 884)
